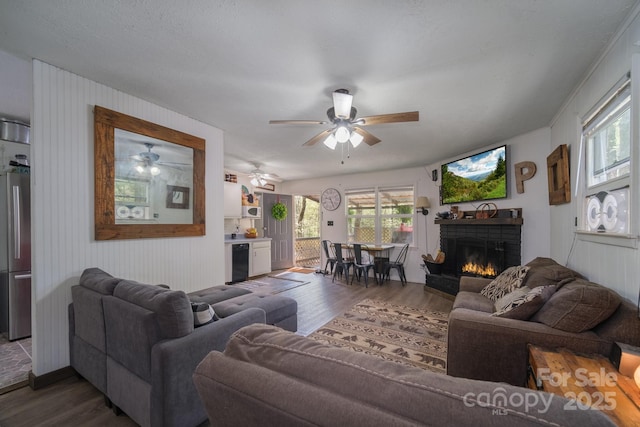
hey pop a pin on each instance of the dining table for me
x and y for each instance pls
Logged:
(380, 254)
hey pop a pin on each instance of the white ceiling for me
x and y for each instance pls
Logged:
(479, 71)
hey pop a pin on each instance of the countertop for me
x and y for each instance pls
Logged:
(241, 239)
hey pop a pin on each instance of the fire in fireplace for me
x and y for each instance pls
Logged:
(478, 257)
(474, 269)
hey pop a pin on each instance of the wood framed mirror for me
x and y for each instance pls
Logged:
(136, 163)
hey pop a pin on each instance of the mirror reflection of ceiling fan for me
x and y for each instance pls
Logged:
(345, 125)
(149, 160)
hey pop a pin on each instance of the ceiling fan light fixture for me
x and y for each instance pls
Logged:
(342, 103)
(356, 139)
(254, 181)
(154, 170)
(331, 141)
(342, 134)
(140, 169)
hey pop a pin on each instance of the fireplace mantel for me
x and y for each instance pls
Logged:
(501, 217)
(486, 221)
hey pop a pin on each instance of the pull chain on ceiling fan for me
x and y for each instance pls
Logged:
(346, 127)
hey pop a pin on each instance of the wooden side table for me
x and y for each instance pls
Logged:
(592, 382)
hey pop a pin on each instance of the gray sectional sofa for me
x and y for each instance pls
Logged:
(137, 343)
(579, 315)
(270, 377)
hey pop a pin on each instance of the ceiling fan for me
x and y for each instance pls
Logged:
(259, 178)
(346, 127)
(149, 160)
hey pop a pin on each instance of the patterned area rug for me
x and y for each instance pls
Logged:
(393, 332)
(270, 285)
(302, 270)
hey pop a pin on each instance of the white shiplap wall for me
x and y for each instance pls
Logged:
(613, 266)
(62, 208)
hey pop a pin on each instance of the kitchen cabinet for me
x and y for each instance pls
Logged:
(232, 200)
(260, 257)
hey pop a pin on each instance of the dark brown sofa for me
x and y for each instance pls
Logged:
(270, 377)
(486, 347)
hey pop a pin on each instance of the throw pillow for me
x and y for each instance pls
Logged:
(523, 303)
(578, 306)
(545, 271)
(509, 280)
(203, 314)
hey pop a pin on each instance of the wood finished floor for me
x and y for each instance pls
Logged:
(75, 402)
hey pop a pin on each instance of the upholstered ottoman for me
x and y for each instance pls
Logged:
(217, 294)
(281, 311)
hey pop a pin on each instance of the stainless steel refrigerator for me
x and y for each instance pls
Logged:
(15, 255)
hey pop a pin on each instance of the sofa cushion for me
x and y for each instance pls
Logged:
(98, 281)
(203, 314)
(509, 280)
(276, 307)
(473, 301)
(545, 271)
(523, 303)
(578, 306)
(623, 325)
(172, 308)
(217, 294)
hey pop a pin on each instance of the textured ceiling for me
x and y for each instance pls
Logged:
(479, 72)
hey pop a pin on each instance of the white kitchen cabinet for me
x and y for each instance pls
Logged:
(232, 200)
(260, 258)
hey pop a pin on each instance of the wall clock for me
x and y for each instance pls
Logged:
(330, 199)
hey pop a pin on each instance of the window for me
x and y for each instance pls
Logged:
(131, 192)
(380, 215)
(606, 136)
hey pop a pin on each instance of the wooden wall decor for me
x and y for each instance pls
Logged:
(558, 176)
(106, 228)
(524, 172)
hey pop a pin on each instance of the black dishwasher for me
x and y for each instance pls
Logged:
(239, 262)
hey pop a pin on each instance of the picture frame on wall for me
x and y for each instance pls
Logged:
(269, 187)
(177, 197)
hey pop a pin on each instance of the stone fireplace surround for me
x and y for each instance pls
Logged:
(495, 239)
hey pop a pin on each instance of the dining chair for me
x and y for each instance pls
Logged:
(343, 264)
(398, 264)
(361, 266)
(329, 255)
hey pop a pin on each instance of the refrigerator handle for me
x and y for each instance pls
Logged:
(16, 221)
(22, 276)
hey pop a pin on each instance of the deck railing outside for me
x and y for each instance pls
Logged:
(307, 251)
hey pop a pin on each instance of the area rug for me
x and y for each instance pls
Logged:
(270, 285)
(302, 270)
(402, 334)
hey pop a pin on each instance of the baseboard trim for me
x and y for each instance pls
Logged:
(39, 381)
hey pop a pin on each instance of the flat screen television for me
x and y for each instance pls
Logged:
(482, 176)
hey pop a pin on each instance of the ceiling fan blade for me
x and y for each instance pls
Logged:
(319, 137)
(369, 138)
(297, 122)
(411, 116)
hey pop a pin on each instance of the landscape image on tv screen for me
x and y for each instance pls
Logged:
(482, 176)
